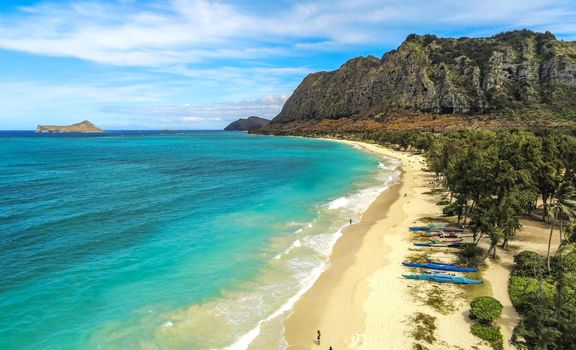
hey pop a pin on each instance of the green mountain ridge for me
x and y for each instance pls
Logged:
(509, 74)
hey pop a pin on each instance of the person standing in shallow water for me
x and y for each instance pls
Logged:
(350, 221)
(318, 337)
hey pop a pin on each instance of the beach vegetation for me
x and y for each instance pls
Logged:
(495, 178)
(489, 333)
(545, 299)
(440, 300)
(424, 327)
(469, 255)
(443, 202)
(485, 309)
(525, 291)
(563, 202)
(529, 264)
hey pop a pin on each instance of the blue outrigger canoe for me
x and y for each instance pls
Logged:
(452, 229)
(422, 228)
(441, 267)
(440, 244)
(443, 278)
(435, 229)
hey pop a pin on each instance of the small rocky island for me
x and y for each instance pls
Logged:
(84, 126)
(251, 123)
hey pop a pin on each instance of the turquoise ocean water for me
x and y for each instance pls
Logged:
(196, 240)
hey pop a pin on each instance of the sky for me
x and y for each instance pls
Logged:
(200, 64)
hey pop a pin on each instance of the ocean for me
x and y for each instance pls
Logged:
(151, 240)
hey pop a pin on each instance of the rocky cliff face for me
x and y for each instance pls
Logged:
(426, 74)
(249, 124)
(84, 126)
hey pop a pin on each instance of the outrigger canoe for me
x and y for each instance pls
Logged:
(443, 278)
(441, 267)
(434, 249)
(452, 229)
(435, 229)
(440, 233)
(422, 228)
(439, 273)
(439, 244)
(444, 240)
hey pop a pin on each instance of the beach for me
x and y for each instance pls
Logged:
(358, 302)
(361, 301)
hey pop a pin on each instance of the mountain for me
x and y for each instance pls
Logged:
(84, 126)
(251, 123)
(519, 75)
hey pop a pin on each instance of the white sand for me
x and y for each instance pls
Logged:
(362, 301)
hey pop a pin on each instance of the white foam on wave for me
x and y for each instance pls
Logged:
(339, 203)
(296, 244)
(322, 244)
(357, 203)
(245, 340)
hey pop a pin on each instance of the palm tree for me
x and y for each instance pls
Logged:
(563, 201)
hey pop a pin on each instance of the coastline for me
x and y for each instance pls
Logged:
(362, 302)
(358, 302)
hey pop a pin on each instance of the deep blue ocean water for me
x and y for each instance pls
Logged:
(190, 240)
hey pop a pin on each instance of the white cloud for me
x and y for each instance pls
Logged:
(189, 31)
(215, 115)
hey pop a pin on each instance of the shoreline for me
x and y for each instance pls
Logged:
(362, 302)
(343, 301)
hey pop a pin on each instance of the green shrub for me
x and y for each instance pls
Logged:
(470, 254)
(529, 264)
(424, 327)
(491, 334)
(450, 210)
(566, 263)
(526, 290)
(485, 309)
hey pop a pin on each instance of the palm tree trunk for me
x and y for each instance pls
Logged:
(479, 238)
(550, 239)
(490, 250)
(560, 232)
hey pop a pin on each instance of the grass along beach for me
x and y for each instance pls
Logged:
(362, 302)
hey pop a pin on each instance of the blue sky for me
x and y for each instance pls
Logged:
(198, 64)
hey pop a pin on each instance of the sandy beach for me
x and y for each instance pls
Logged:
(362, 301)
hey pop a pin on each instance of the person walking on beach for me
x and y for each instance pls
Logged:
(318, 338)
(350, 221)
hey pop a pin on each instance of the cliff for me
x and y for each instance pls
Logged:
(249, 124)
(510, 75)
(84, 126)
